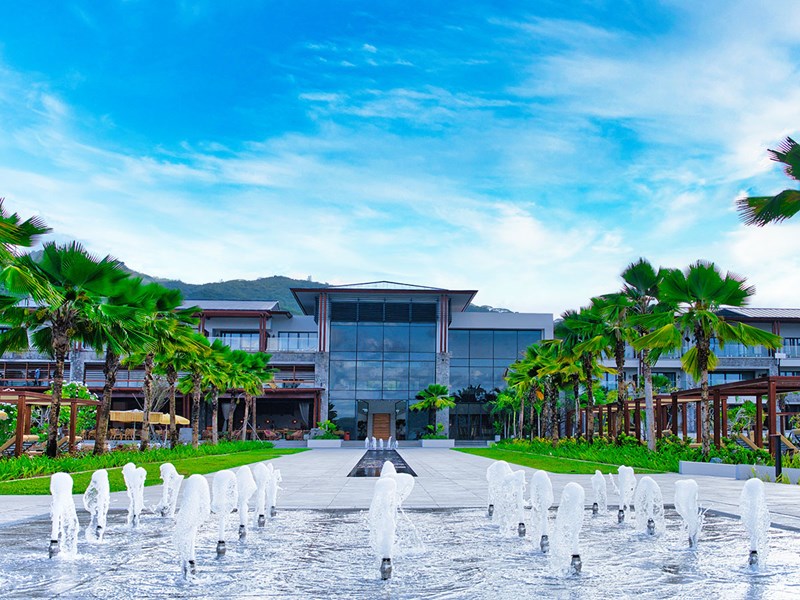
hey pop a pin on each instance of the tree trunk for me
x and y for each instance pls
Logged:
(110, 369)
(649, 408)
(172, 378)
(234, 404)
(619, 359)
(531, 420)
(214, 415)
(703, 350)
(197, 379)
(522, 416)
(586, 360)
(576, 388)
(246, 416)
(60, 350)
(147, 391)
(551, 397)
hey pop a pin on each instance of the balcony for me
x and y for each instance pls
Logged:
(248, 344)
(278, 344)
(735, 350)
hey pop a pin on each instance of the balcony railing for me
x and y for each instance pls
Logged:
(248, 344)
(292, 344)
(736, 350)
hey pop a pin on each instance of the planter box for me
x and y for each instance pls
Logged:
(438, 443)
(740, 472)
(711, 469)
(324, 443)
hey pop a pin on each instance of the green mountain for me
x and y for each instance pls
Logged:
(275, 287)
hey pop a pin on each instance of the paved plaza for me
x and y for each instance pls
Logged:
(318, 479)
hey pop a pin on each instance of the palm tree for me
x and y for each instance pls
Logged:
(698, 293)
(165, 324)
(216, 378)
(641, 288)
(250, 374)
(121, 333)
(195, 363)
(14, 233)
(433, 398)
(760, 210)
(615, 310)
(68, 285)
(582, 337)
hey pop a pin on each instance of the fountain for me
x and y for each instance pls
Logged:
(380, 444)
(169, 492)
(224, 499)
(272, 492)
(649, 505)
(262, 474)
(495, 474)
(96, 500)
(374, 444)
(195, 509)
(389, 444)
(246, 487)
(65, 526)
(627, 487)
(510, 508)
(566, 558)
(686, 504)
(383, 523)
(366, 443)
(756, 519)
(541, 501)
(388, 470)
(600, 490)
(134, 481)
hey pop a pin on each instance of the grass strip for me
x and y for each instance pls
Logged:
(552, 464)
(36, 486)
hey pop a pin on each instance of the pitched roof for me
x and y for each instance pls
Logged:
(233, 305)
(773, 314)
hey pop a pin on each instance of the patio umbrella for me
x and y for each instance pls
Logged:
(134, 416)
(179, 420)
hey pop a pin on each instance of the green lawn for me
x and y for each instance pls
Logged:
(185, 466)
(552, 464)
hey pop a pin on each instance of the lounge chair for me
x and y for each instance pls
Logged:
(10, 446)
(63, 443)
(271, 435)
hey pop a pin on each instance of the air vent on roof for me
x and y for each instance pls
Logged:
(397, 312)
(423, 313)
(371, 312)
(344, 311)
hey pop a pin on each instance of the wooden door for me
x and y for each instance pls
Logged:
(381, 426)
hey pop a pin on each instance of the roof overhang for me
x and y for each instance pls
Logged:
(307, 297)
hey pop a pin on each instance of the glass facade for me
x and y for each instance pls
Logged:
(481, 357)
(380, 354)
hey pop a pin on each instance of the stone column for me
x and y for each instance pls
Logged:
(443, 378)
(321, 362)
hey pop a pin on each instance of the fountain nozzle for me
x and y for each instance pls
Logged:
(595, 508)
(621, 516)
(491, 510)
(386, 568)
(53, 549)
(753, 559)
(135, 521)
(242, 533)
(273, 511)
(575, 564)
(651, 526)
(521, 529)
(262, 519)
(544, 544)
(99, 532)
(692, 541)
(221, 548)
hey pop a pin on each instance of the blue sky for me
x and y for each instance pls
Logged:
(527, 150)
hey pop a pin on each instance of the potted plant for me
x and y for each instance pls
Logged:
(324, 436)
(435, 438)
(434, 398)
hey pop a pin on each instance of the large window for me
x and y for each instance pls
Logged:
(481, 357)
(239, 340)
(381, 351)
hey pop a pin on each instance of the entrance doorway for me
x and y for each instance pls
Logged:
(381, 425)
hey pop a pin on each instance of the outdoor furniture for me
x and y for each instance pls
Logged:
(295, 436)
(271, 435)
(9, 448)
(129, 434)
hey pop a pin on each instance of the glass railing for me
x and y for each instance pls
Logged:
(790, 350)
(736, 350)
(248, 344)
(292, 344)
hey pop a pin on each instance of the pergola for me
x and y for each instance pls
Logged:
(674, 407)
(25, 401)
